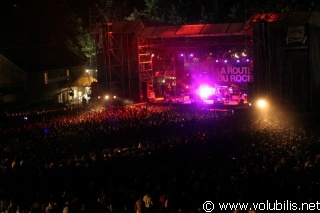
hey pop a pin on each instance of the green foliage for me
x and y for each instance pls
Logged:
(206, 17)
(134, 16)
(105, 4)
(174, 17)
(153, 11)
(235, 13)
(78, 39)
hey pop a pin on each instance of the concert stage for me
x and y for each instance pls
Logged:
(209, 104)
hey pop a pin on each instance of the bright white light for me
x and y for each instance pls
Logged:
(244, 54)
(205, 91)
(261, 103)
(106, 97)
(225, 61)
(114, 97)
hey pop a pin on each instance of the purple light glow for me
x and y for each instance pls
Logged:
(205, 91)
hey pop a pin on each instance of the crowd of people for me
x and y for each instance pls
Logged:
(150, 158)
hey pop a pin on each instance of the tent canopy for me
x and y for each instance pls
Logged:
(83, 80)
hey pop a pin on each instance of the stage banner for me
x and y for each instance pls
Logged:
(221, 72)
(234, 73)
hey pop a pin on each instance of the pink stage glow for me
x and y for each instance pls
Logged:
(205, 91)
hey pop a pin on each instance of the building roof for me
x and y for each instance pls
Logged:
(225, 29)
(152, 29)
(42, 58)
(84, 80)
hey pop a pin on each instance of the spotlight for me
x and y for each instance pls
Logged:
(244, 53)
(205, 91)
(261, 103)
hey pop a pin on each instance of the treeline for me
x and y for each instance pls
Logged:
(68, 22)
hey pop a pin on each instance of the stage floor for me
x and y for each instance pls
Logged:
(200, 103)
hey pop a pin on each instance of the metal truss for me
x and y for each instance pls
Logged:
(156, 60)
(115, 62)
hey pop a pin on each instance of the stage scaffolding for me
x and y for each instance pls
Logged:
(156, 60)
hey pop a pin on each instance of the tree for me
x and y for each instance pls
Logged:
(280, 6)
(153, 11)
(78, 37)
(105, 10)
(236, 13)
(174, 17)
(206, 17)
(134, 16)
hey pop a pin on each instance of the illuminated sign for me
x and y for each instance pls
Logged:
(236, 74)
(221, 72)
